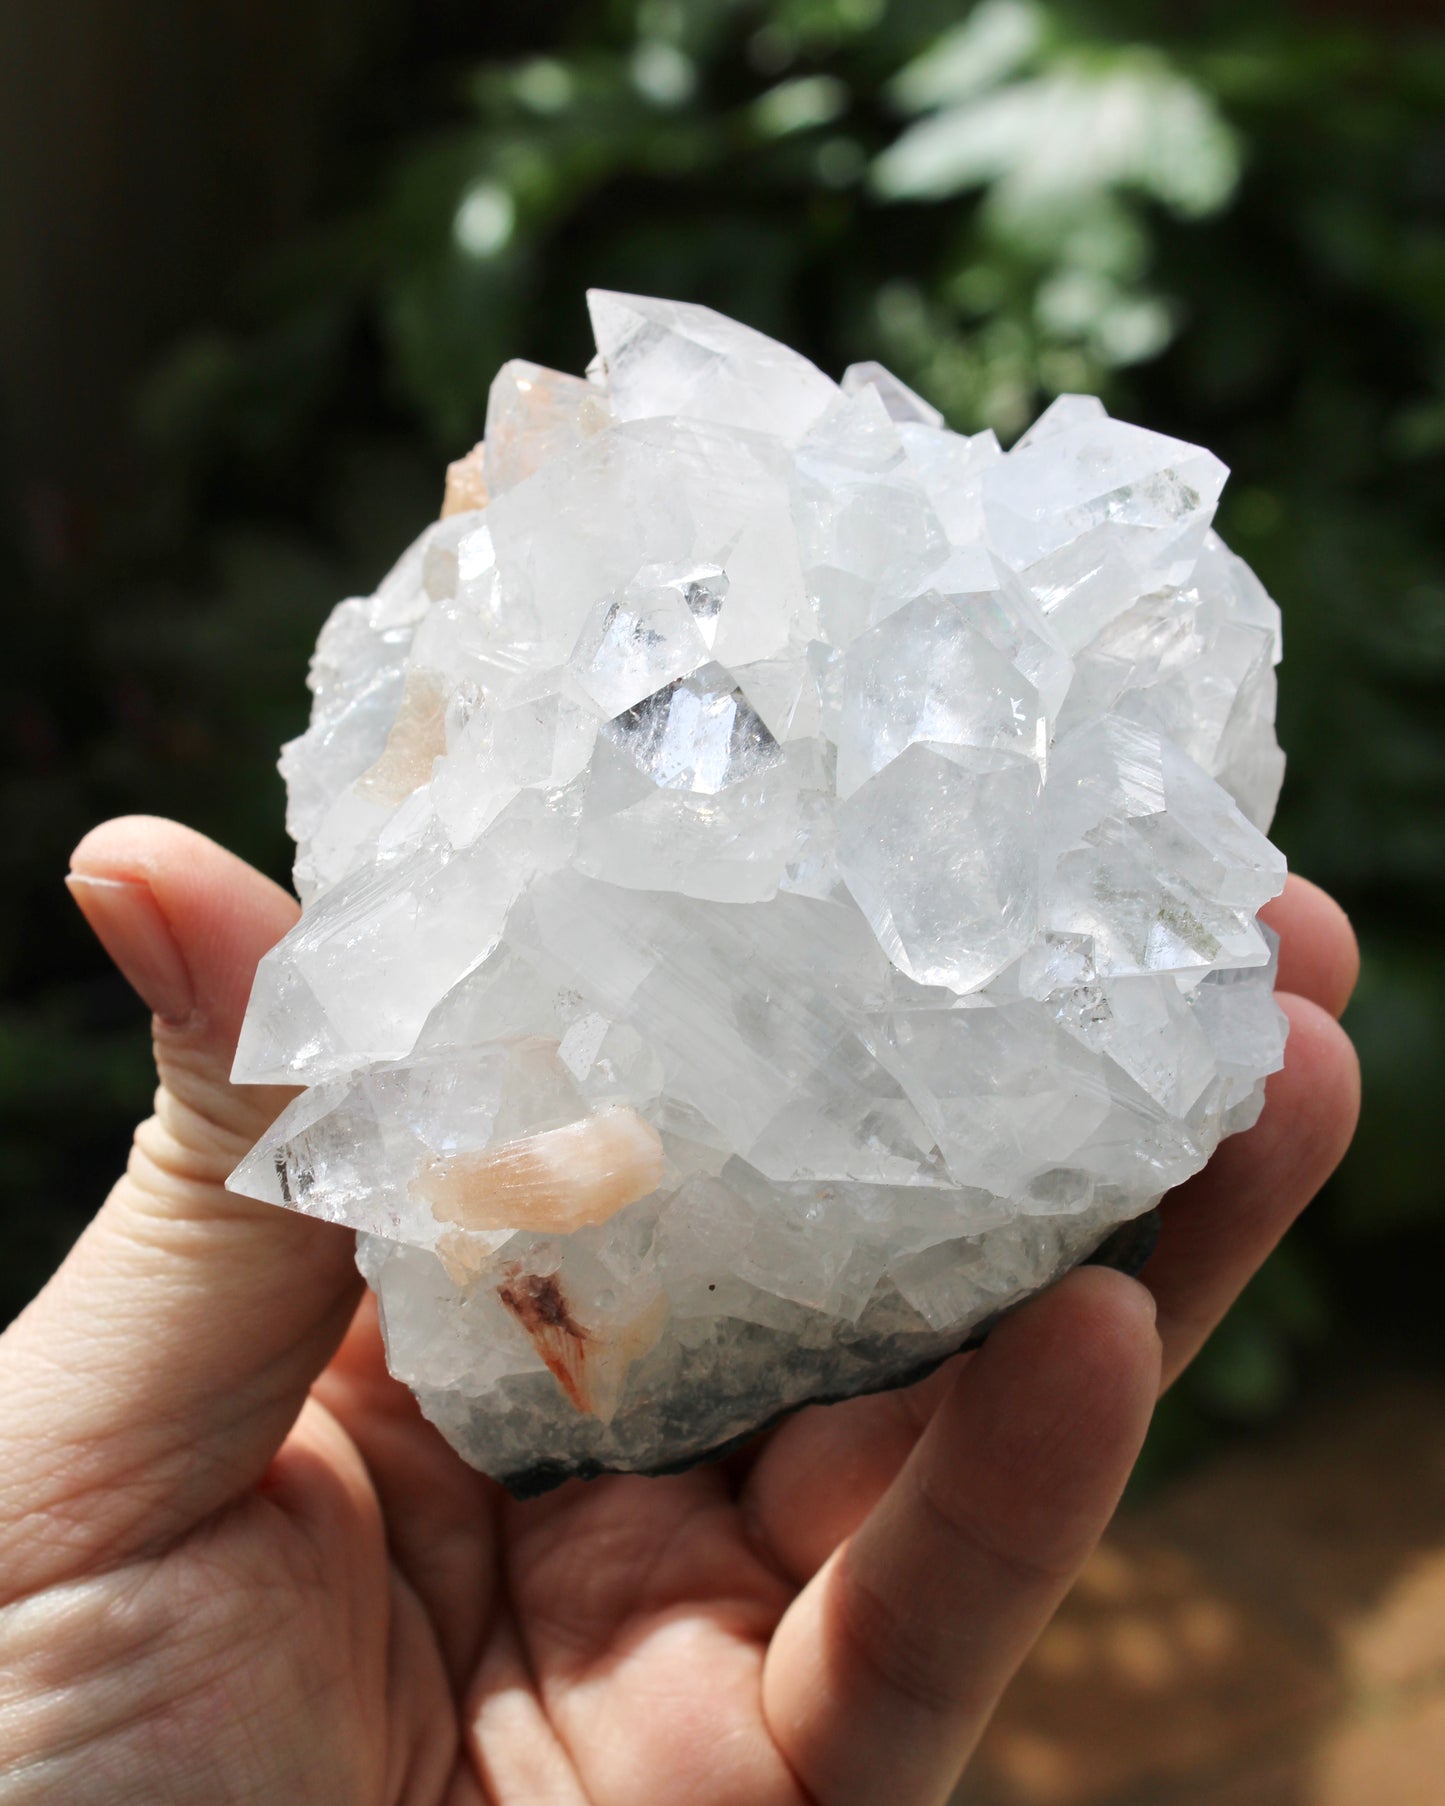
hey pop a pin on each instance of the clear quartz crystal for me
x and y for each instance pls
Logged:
(781, 884)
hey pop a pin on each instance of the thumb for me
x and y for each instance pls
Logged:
(159, 1371)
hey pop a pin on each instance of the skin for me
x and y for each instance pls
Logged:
(237, 1565)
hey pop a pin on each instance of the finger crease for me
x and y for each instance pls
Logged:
(959, 1525)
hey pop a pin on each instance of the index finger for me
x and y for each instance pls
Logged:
(1217, 1229)
(888, 1664)
(1319, 957)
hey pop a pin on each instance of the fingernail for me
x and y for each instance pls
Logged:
(129, 924)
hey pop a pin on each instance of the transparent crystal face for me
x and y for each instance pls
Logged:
(780, 885)
(699, 733)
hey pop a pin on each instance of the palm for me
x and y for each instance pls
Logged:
(614, 1632)
(223, 1578)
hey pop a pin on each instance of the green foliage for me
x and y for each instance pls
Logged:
(1227, 222)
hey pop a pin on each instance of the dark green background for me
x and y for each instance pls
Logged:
(262, 262)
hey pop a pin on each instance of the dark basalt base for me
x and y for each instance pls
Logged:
(1125, 1249)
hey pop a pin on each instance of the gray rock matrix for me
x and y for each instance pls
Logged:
(780, 886)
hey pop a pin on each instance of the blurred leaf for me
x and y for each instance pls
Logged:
(799, 105)
(1244, 1371)
(1248, 1370)
(995, 41)
(1045, 146)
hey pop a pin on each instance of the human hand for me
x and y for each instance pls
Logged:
(236, 1564)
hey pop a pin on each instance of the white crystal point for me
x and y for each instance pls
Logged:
(356, 978)
(1151, 859)
(928, 673)
(658, 630)
(868, 534)
(960, 915)
(1065, 413)
(1093, 509)
(900, 401)
(781, 884)
(533, 416)
(674, 357)
(951, 468)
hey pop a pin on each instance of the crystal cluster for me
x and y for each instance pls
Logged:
(780, 886)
